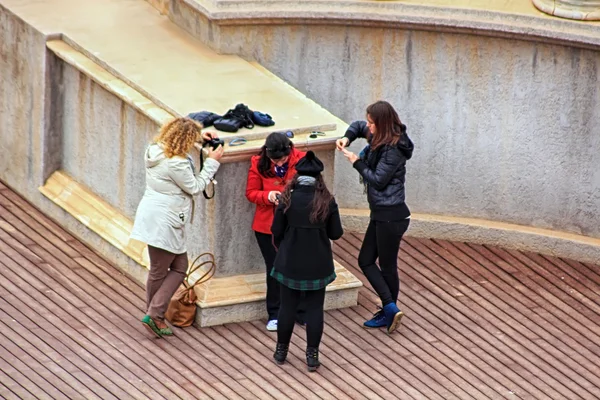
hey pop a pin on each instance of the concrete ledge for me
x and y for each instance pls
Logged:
(108, 81)
(554, 243)
(242, 297)
(498, 19)
(96, 214)
(155, 112)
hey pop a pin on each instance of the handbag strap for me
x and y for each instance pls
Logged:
(204, 193)
(196, 266)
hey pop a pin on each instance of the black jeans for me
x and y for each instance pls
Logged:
(313, 301)
(383, 240)
(265, 242)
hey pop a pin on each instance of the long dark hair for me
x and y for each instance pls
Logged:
(320, 203)
(276, 145)
(389, 127)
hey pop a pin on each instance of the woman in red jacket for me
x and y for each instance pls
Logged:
(269, 173)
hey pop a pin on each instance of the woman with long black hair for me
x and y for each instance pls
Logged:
(269, 173)
(382, 168)
(305, 221)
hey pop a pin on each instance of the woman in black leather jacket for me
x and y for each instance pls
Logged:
(382, 168)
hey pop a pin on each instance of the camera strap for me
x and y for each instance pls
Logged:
(206, 196)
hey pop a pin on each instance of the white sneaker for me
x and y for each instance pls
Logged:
(272, 325)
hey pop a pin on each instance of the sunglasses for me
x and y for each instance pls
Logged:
(315, 134)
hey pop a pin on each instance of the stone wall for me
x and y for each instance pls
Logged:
(505, 130)
(36, 131)
(104, 141)
(23, 129)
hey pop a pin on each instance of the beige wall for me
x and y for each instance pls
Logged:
(505, 130)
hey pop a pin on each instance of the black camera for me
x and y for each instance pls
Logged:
(214, 143)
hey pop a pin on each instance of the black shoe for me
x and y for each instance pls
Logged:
(312, 358)
(281, 352)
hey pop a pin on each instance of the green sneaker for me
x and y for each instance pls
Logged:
(150, 325)
(165, 331)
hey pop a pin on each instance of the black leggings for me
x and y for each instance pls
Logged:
(265, 242)
(383, 240)
(313, 301)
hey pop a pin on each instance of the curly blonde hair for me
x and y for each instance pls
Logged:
(178, 136)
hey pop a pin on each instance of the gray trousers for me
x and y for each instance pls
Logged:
(167, 272)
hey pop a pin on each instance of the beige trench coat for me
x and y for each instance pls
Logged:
(167, 203)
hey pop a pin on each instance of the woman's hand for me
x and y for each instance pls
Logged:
(208, 136)
(350, 156)
(215, 154)
(273, 197)
(341, 143)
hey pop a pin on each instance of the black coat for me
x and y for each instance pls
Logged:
(304, 248)
(383, 170)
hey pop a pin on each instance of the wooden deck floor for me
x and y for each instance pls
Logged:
(481, 322)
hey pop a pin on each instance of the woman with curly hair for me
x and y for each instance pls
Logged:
(166, 207)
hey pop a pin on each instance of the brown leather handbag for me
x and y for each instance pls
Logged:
(182, 307)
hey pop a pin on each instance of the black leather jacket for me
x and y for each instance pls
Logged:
(383, 171)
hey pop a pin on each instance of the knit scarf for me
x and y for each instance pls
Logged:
(306, 180)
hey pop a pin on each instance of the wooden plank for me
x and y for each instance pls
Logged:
(262, 342)
(35, 371)
(430, 372)
(558, 323)
(18, 206)
(503, 317)
(285, 384)
(37, 341)
(64, 275)
(448, 309)
(454, 377)
(63, 241)
(566, 289)
(576, 285)
(442, 337)
(334, 358)
(27, 311)
(108, 301)
(522, 312)
(587, 274)
(336, 355)
(549, 301)
(48, 228)
(200, 347)
(430, 383)
(38, 238)
(107, 280)
(22, 378)
(455, 301)
(128, 338)
(10, 389)
(95, 369)
(527, 356)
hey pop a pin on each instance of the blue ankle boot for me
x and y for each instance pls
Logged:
(378, 320)
(393, 315)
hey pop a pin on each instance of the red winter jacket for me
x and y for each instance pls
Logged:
(258, 188)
